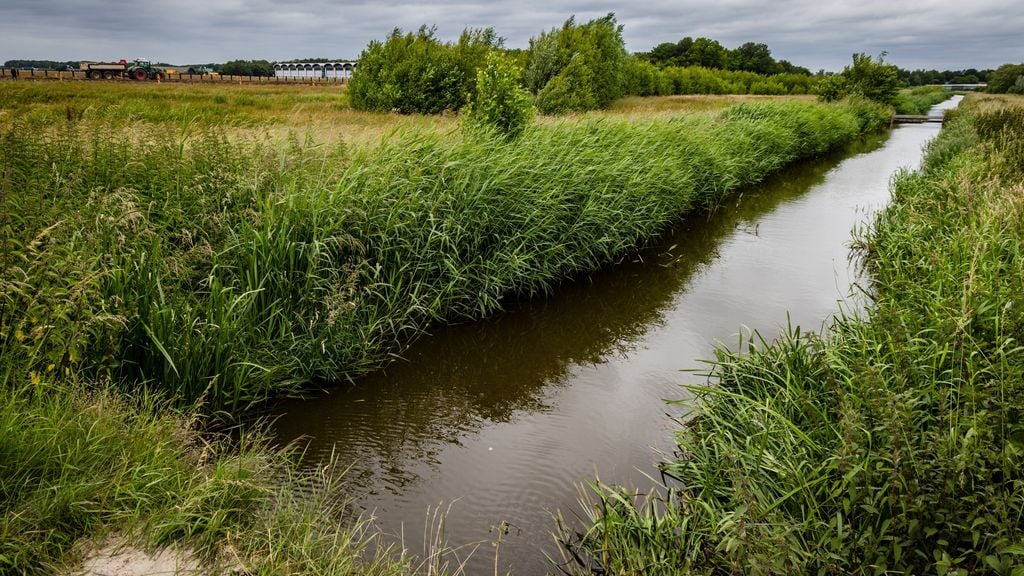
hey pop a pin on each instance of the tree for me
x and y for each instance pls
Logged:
(873, 79)
(1008, 78)
(413, 72)
(247, 68)
(499, 101)
(832, 88)
(752, 57)
(707, 53)
(663, 53)
(867, 77)
(472, 50)
(586, 61)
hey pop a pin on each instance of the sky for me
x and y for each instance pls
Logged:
(939, 34)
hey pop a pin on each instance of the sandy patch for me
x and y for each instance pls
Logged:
(118, 558)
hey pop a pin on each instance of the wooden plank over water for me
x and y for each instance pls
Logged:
(916, 119)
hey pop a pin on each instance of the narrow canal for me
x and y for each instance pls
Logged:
(503, 419)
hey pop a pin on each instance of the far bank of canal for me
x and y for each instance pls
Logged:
(504, 418)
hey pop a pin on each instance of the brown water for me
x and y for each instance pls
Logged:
(504, 418)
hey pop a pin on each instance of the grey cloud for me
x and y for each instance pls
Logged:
(932, 33)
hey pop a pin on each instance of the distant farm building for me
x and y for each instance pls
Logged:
(314, 69)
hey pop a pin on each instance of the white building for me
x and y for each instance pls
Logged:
(314, 69)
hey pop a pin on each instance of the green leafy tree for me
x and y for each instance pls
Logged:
(588, 59)
(873, 79)
(664, 53)
(867, 77)
(409, 73)
(499, 101)
(752, 57)
(707, 53)
(1008, 78)
(247, 68)
(472, 50)
(571, 91)
(832, 88)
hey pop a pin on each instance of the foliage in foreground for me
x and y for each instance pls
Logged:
(234, 271)
(82, 463)
(895, 443)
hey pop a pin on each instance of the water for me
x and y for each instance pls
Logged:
(505, 418)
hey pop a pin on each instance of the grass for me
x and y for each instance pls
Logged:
(321, 112)
(160, 262)
(891, 444)
(79, 463)
(918, 101)
(234, 271)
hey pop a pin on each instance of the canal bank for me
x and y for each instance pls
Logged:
(504, 418)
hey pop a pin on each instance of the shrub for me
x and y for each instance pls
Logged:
(1008, 78)
(571, 91)
(412, 73)
(500, 102)
(589, 59)
(866, 77)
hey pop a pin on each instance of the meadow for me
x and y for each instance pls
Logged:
(163, 264)
(893, 442)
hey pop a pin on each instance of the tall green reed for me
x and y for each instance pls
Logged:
(233, 271)
(891, 444)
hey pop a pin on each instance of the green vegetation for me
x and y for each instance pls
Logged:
(500, 103)
(1007, 79)
(867, 77)
(247, 68)
(574, 68)
(707, 53)
(419, 73)
(83, 462)
(233, 271)
(695, 80)
(892, 444)
(577, 67)
(920, 100)
(921, 77)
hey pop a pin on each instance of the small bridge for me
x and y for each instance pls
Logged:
(915, 119)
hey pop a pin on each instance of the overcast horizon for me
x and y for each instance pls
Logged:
(943, 35)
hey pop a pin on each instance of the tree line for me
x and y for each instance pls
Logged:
(707, 53)
(571, 68)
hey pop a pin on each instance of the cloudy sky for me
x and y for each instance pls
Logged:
(942, 34)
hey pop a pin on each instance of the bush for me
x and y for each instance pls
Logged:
(866, 77)
(571, 91)
(1007, 79)
(247, 68)
(417, 73)
(500, 102)
(585, 63)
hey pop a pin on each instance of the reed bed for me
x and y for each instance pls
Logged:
(920, 100)
(235, 271)
(196, 270)
(894, 442)
(81, 464)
